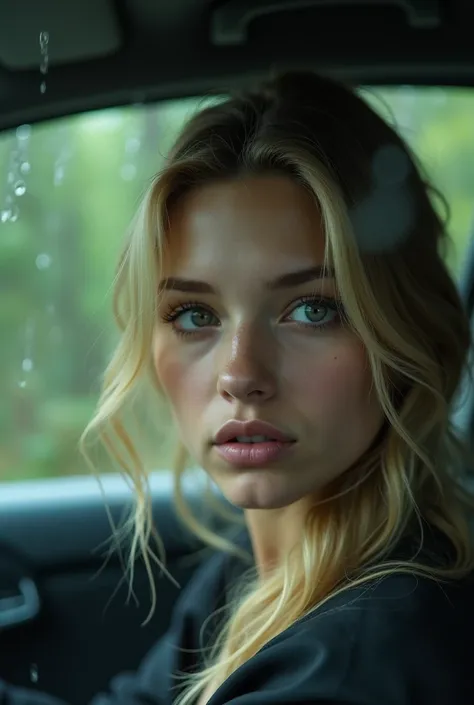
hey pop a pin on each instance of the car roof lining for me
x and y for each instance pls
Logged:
(104, 53)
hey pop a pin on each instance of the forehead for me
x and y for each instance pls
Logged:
(261, 224)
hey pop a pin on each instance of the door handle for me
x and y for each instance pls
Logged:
(21, 607)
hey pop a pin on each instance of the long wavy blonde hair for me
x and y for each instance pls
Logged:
(387, 245)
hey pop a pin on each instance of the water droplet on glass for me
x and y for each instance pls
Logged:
(34, 673)
(44, 40)
(23, 132)
(11, 177)
(22, 383)
(15, 214)
(132, 145)
(128, 172)
(27, 364)
(25, 168)
(58, 175)
(5, 215)
(20, 188)
(43, 261)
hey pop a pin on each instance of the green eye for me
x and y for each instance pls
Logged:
(314, 312)
(189, 318)
(195, 318)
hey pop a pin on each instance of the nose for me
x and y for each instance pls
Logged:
(246, 374)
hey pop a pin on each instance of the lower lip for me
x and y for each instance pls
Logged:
(253, 455)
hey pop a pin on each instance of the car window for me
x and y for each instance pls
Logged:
(68, 189)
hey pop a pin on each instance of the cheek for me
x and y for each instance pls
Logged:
(169, 373)
(181, 382)
(334, 381)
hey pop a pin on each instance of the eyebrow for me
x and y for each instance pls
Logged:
(285, 281)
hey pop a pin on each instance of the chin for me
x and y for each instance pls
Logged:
(257, 490)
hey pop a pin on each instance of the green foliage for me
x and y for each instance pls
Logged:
(85, 178)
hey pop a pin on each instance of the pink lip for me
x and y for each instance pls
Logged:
(252, 455)
(232, 429)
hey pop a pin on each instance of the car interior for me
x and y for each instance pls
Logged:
(92, 95)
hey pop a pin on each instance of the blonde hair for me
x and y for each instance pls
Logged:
(385, 242)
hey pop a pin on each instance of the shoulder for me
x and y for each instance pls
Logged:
(395, 608)
(389, 613)
(398, 640)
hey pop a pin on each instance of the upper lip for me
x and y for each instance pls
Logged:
(233, 428)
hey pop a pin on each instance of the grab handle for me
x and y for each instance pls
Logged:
(230, 20)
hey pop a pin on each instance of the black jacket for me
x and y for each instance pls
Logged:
(401, 640)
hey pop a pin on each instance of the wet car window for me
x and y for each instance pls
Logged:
(68, 189)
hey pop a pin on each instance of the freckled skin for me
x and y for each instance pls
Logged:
(313, 383)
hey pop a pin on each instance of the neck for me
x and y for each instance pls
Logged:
(273, 533)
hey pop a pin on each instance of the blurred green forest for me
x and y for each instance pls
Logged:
(68, 190)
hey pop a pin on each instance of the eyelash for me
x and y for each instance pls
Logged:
(174, 312)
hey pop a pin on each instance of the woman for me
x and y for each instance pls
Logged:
(283, 289)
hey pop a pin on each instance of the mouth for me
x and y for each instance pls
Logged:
(251, 433)
(253, 452)
(252, 444)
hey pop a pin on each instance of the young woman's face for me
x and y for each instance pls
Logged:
(238, 339)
